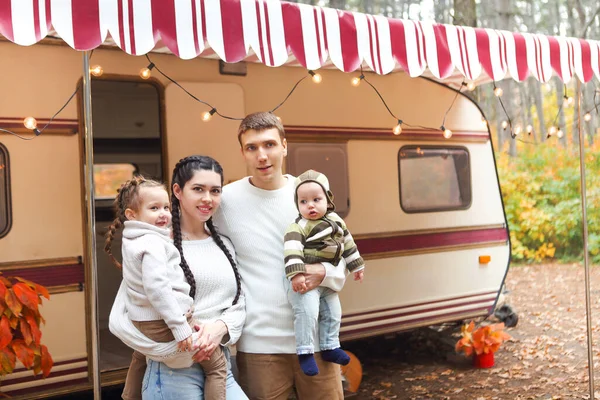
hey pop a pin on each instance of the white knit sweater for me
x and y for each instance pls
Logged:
(215, 292)
(156, 286)
(256, 220)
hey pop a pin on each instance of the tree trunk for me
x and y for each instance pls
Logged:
(536, 88)
(465, 12)
(560, 122)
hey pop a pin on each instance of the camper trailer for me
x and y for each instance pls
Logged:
(426, 211)
(425, 208)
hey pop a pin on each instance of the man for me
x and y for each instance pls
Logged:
(254, 214)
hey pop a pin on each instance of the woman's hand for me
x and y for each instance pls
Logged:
(211, 337)
(186, 344)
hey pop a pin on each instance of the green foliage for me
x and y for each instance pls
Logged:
(541, 193)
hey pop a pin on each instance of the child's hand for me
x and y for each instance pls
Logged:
(299, 283)
(186, 344)
(359, 275)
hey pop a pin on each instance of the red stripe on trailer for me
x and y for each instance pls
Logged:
(268, 32)
(59, 275)
(121, 24)
(40, 377)
(415, 312)
(56, 364)
(429, 240)
(586, 60)
(444, 59)
(195, 26)
(520, 56)
(494, 293)
(37, 389)
(348, 41)
(398, 42)
(36, 20)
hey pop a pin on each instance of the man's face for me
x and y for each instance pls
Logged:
(264, 152)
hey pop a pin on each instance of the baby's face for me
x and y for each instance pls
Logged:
(312, 201)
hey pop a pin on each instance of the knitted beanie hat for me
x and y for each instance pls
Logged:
(318, 178)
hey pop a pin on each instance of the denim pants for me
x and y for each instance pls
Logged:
(323, 305)
(164, 383)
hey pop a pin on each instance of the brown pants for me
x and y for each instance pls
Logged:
(215, 369)
(273, 377)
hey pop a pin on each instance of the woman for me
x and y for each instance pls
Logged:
(209, 266)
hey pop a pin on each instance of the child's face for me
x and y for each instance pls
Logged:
(154, 207)
(312, 201)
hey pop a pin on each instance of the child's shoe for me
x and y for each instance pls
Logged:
(337, 356)
(308, 364)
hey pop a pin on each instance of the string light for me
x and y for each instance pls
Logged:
(559, 133)
(504, 124)
(145, 73)
(398, 128)
(568, 101)
(587, 117)
(551, 131)
(518, 130)
(30, 123)
(356, 80)
(471, 86)
(316, 77)
(446, 132)
(484, 122)
(498, 91)
(96, 70)
(529, 129)
(208, 115)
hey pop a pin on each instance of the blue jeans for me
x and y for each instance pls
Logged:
(164, 383)
(323, 305)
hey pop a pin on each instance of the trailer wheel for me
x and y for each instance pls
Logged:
(507, 315)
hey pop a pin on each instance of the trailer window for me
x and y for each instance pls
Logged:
(328, 158)
(108, 178)
(434, 179)
(5, 208)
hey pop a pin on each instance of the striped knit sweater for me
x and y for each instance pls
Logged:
(315, 241)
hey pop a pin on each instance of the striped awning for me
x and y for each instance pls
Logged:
(279, 33)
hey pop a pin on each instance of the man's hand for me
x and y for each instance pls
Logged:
(315, 273)
(299, 283)
(211, 336)
(359, 275)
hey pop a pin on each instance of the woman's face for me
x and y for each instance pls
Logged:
(200, 197)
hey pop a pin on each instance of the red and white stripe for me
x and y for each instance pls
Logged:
(279, 33)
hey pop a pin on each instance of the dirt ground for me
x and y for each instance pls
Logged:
(546, 359)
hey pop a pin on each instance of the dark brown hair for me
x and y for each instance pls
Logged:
(183, 172)
(260, 121)
(128, 196)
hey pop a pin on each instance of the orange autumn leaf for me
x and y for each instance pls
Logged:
(2, 290)
(23, 353)
(26, 331)
(26, 295)
(5, 333)
(38, 288)
(47, 362)
(7, 360)
(13, 302)
(35, 330)
(484, 340)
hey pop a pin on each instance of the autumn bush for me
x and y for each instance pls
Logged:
(541, 195)
(20, 319)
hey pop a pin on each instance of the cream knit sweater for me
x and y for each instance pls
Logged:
(215, 291)
(256, 220)
(156, 286)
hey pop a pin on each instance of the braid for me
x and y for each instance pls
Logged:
(219, 241)
(189, 276)
(127, 197)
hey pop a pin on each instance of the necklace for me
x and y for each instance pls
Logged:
(186, 236)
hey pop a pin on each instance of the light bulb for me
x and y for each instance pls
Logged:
(551, 130)
(548, 87)
(355, 81)
(529, 129)
(96, 70)
(570, 100)
(587, 117)
(471, 86)
(498, 92)
(145, 73)
(206, 116)
(484, 122)
(559, 133)
(567, 101)
(30, 123)
(398, 129)
(447, 133)
(317, 78)
(518, 130)
(504, 124)
(278, 118)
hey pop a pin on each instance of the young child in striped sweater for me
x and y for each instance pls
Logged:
(317, 235)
